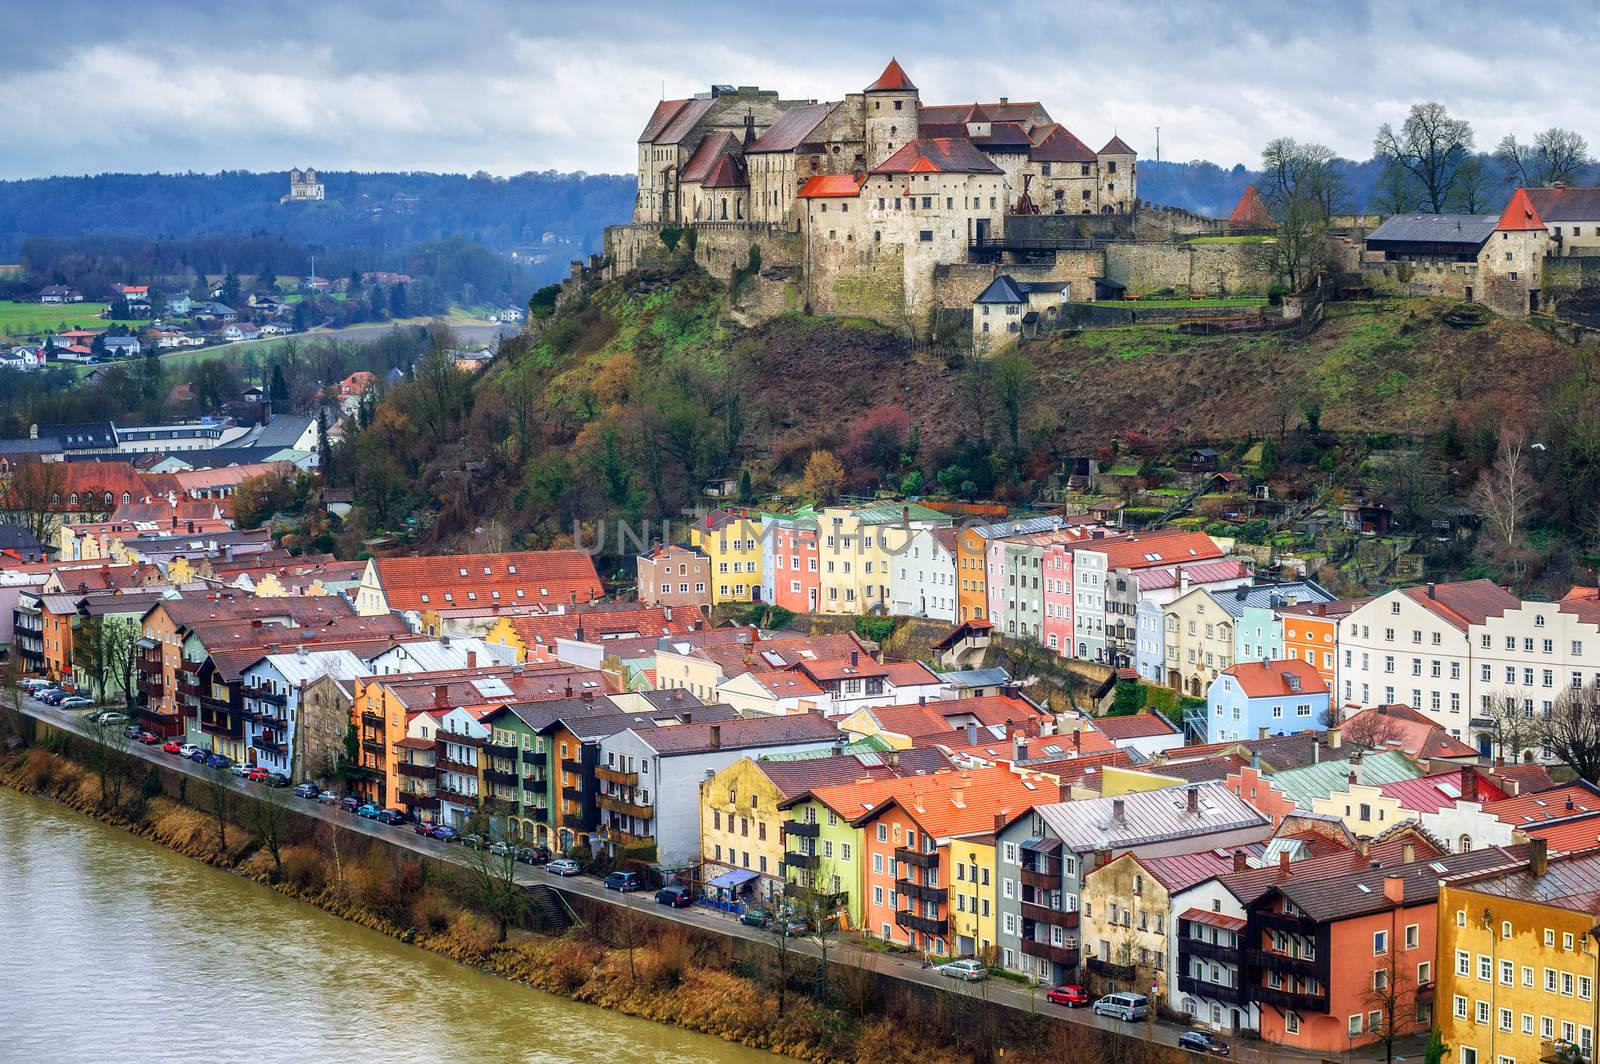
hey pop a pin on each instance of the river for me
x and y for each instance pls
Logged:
(119, 951)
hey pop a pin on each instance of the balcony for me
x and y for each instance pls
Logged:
(1284, 964)
(921, 892)
(1211, 951)
(807, 861)
(151, 686)
(536, 784)
(188, 685)
(619, 837)
(800, 829)
(416, 770)
(617, 805)
(1044, 914)
(373, 746)
(270, 745)
(494, 775)
(1041, 880)
(267, 694)
(614, 777)
(372, 720)
(572, 766)
(271, 720)
(498, 806)
(1230, 995)
(417, 801)
(1067, 955)
(1110, 970)
(909, 920)
(444, 764)
(1294, 925)
(1288, 999)
(497, 750)
(572, 794)
(918, 858)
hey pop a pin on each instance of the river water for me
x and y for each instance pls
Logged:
(120, 952)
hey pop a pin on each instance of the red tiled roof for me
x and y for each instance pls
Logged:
(1565, 836)
(789, 684)
(727, 173)
(1464, 603)
(1271, 679)
(893, 79)
(1440, 790)
(1251, 211)
(521, 578)
(705, 157)
(1527, 777)
(964, 802)
(1559, 803)
(1148, 549)
(1060, 146)
(1249, 886)
(791, 129)
(938, 155)
(599, 626)
(1116, 146)
(659, 119)
(1565, 204)
(909, 673)
(953, 113)
(1403, 728)
(1134, 726)
(1213, 919)
(1520, 215)
(683, 121)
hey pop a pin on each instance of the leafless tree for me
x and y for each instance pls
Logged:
(219, 799)
(1392, 994)
(30, 494)
(1512, 723)
(494, 875)
(1369, 730)
(1571, 732)
(1472, 193)
(107, 754)
(817, 906)
(1555, 155)
(1505, 491)
(1431, 147)
(268, 814)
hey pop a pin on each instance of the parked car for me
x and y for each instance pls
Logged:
(276, 779)
(188, 750)
(198, 755)
(474, 841)
(146, 738)
(968, 970)
(307, 790)
(534, 855)
(500, 849)
(350, 803)
(51, 695)
(80, 702)
(675, 897)
(111, 720)
(241, 769)
(173, 746)
(1069, 994)
(445, 833)
(563, 866)
(755, 918)
(369, 810)
(257, 774)
(34, 684)
(623, 881)
(218, 761)
(1124, 1006)
(1203, 1042)
(328, 798)
(794, 927)
(390, 816)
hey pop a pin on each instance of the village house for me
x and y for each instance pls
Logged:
(672, 574)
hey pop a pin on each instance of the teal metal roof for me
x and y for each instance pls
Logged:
(1305, 785)
(867, 744)
(889, 513)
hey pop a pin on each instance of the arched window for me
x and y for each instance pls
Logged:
(127, 497)
(55, 497)
(724, 210)
(74, 498)
(110, 499)
(1464, 844)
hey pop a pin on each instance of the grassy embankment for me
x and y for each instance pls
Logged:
(21, 320)
(630, 962)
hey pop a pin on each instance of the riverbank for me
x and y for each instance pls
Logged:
(624, 960)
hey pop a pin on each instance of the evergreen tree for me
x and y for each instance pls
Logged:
(267, 279)
(324, 448)
(301, 317)
(230, 291)
(397, 301)
(280, 388)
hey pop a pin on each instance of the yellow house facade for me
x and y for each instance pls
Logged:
(855, 547)
(1115, 780)
(1517, 962)
(731, 541)
(695, 674)
(741, 826)
(1365, 810)
(973, 881)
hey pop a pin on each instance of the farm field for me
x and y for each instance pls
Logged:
(21, 320)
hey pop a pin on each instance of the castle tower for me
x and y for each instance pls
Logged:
(1511, 262)
(891, 114)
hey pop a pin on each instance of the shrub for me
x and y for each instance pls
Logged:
(303, 869)
(40, 770)
(674, 954)
(431, 913)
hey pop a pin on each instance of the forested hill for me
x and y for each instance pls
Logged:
(559, 216)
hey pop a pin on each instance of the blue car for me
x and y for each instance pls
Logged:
(445, 833)
(217, 761)
(370, 811)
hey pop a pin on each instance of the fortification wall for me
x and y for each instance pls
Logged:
(1164, 223)
(957, 284)
(1442, 277)
(1203, 269)
(719, 247)
(874, 285)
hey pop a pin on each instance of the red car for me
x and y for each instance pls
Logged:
(1070, 994)
(257, 775)
(148, 738)
(173, 746)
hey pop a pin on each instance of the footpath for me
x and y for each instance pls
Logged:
(907, 967)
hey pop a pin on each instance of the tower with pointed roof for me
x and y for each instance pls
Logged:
(1117, 172)
(892, 105)
(1510, 263)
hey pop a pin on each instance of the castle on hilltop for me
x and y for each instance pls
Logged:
(304, 187)
(877, 205)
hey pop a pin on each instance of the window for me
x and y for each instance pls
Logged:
(1380, 939)
(1413, 936)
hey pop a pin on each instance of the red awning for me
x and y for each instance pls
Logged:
(1206, 916)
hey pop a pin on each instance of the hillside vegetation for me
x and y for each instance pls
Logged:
(626, 400)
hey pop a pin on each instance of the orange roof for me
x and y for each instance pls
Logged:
(601, 625)
(909, 673)
(1464, 603)
(1147, 549)
(1085, 743)
(824, 186)
(519, 578)
(1251, 212)
(1143, 725)
(1559, 803)
(1520, 215)
(1581, 833)
(893, 79)
(1275, 679)
(204, 479)
(791, 684)
(965, 802)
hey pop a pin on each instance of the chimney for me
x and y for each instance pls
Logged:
(1261, 732)
(444, 640)
(472, 659)
(1469, 784)
(1408, 852)
(1363, 847)
(1192, 800)
(1183, 581)
(1077, 742)
(1004, 101)
(916, 801)
(1102, 857)
(999, 821)
(894, 759)
(716, 737)
(1020, 749)
(1433, 591)
(1335, 738)
(300, 651)
(587, 696)
(441, 695)
(905, 517)
(1239, 862)
(855, 658)
(1283, 860)
(958, 797)
(1538, 856)
(1119, 810)
(972, 735)
(569, 687)
(1394, 889)
(922, 700)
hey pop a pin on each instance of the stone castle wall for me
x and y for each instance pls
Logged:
(957, 284)
(1205, 269)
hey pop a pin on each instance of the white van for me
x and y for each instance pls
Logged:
(1128, 1007)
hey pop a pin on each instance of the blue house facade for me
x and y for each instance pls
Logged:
(1149, 651)
(1257, 624)
(1265, 697)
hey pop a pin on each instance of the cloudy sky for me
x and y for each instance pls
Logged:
(463, 85)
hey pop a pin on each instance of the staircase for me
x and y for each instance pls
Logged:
(548, 911)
